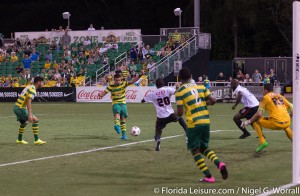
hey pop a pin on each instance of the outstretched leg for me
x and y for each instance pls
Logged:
(289, 133)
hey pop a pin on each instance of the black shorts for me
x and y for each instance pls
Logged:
(162, 122)
(248, 113)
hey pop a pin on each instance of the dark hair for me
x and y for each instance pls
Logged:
(268, 87)
(185, 74)
(159, 83)
(38, 79)
(117, 75)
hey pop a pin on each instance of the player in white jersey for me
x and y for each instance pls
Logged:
(250, 104)
(165, 113)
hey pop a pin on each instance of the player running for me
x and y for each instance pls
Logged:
(278, 119)
(249, 102)
(194, 99)
(118, 96)
(164, 111)
(23, 111)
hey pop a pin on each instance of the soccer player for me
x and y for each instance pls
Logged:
(164, 111)
(249, 102)
(194, 99)
(118, 96)
(23, 111)
(279, 118)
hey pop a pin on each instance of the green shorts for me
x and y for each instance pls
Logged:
(198, 137)
(120, 108)
(22, 113)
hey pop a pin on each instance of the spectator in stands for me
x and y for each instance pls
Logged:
(13, 57)
(66, 39)
(7, 83)
(55, 65)
(148, 52)
(150, 65)
(27, 63)
(133, 74)
(168, 51)
(9, 77)
(91, 28)
(162, 52)
(2, 56)
(65, 83)
(3, 78)
(34, 56)
(17, 42)
(240, 76)
(170, 43)
(206, 82)
(272, 77)
(19, 69)
(16, 50)
(48, 56)
(256, 77)
(22, 80)
(133, 53)
(27, 52)
(266, 79)
(27, 75)
(115, 46)
(87, 41)
(15, 83)
(47, 65)
(53, 45)
(220, 78)
(58, 82)
(131, 66)
(140, 55)
(151, 83)
(50, 75)
(9, 50)
(247, 79)
(103, 49)
(56, 75)
(27, 42)
(176, 37)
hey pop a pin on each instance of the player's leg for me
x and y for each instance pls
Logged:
(266, 123)
(116, 111)
(194, 144)
(124, 115)
(22, 117)
(159, 126)
(35, 129)
(289, 133)
(237, 119)
(210, 154)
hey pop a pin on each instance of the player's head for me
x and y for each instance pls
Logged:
(159, 83)
(185, 75)
(118, 78)
(38, 81)
(268, 88)
(234, 83)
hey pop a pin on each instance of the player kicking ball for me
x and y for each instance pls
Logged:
(118, 96)
(279, 118)
(23, 111)
(194, 99)
(249, 102)
(164, 111)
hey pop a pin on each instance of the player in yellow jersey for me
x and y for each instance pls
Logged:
(278, 119)
(23, 111)
(118, 96)
(194, 99)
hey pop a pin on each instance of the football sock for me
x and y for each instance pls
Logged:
(182, 123)
(201, 165)
(35, 129)
(123, 127)
(117, 121)
(21, 131)
(289, 133)
(212, 156)
(238, 123)
(259, 133)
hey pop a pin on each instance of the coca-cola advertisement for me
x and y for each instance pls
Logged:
(91, 94)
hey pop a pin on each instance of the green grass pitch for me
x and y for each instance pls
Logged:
(134, 169)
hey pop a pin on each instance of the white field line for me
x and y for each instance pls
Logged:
(273, 191)
(87, 151)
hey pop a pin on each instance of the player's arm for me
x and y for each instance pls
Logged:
(134, 80)
(103, 93)
(179, 103)
(257, 115)
(289, 106)
(30, 116)
(238, 100)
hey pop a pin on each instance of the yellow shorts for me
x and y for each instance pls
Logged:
(271, 123)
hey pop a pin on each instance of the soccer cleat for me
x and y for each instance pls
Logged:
(124, 137)
(157, 148)
(39, 142)
(244, 135)
(209, 180)
(262, 146)
(118, 129)
(21, 142)
(223, 170)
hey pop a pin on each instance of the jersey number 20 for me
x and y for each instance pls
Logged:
(163, 101)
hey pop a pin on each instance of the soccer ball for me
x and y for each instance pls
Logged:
(135, 131)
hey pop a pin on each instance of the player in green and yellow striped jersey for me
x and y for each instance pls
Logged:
(118, 96)
(23, 111)
(194, 99)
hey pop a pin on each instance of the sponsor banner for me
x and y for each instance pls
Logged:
(225, 94)
(54, 94)
(133, 94)
(99, 36)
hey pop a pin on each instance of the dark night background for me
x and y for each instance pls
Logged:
(258, 27)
